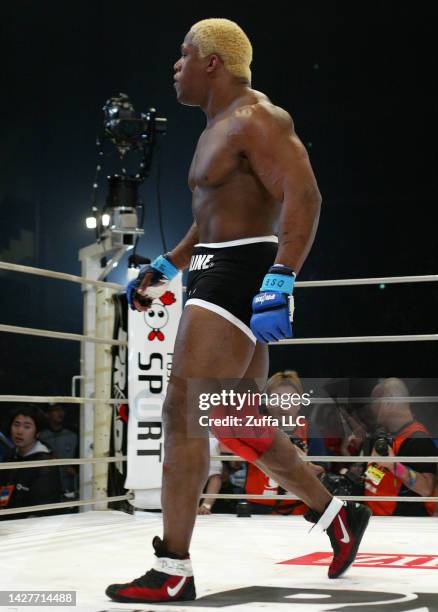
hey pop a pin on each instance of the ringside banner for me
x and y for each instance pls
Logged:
(151, 337)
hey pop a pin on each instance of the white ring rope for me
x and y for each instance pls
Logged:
(67, 399)
(68, 504)
(415, 399)
(357, 339)
(344, 459)
(47, 333)
(425, 278)
(307, 458)
(20, 465)
(60, 399)
(60, 275)
(90, 502)
(346, 497)
(383, 280)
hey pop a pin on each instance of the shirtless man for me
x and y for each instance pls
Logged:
(250, 176)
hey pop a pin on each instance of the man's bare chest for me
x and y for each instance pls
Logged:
(215, 159)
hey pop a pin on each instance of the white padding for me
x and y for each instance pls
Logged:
(174, 567)
(330, 512)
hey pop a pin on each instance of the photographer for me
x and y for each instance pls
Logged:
(399, 434)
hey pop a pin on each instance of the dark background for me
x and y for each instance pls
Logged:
(358, 80)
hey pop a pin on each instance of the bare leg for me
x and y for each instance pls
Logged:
(345, 524)
(207, 346)
(185, 472)
(282, 461)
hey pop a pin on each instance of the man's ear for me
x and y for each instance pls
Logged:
(213, 63)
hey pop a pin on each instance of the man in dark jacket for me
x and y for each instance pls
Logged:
(28, 486)
(64, 444)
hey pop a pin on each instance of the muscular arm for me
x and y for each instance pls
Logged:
(418, 477)
(419, 482)
(180, 255)
(280, 161)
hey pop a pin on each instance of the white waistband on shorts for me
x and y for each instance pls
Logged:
(239, 242)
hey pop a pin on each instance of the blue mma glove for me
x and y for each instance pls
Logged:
(162, 270)
(273, 307)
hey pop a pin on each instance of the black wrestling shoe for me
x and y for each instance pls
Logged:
(171, 579)
(345, 524)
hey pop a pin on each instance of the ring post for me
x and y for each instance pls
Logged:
(102, 410)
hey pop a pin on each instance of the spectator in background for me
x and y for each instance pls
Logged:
(341, 434)
(223, 477)
(28, 486)
(64, 444)
(400, 435)
(288, 385)
(336, 429)
(214, 480)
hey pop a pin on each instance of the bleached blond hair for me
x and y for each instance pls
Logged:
(226, 39)
(287, 378)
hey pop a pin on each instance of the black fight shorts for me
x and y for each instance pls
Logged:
(225, 276)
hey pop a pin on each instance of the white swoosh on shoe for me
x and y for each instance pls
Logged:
(172, 591)
(346, 537)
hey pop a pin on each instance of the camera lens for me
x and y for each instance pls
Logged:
(243, 508)
(381, 445)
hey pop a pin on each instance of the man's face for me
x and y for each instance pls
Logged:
(190, 78)
(379, 408)
(23, 432)
(283, 401)
(56, 415)
(376, 412)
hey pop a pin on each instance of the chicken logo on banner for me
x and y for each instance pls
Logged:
(157, 315)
